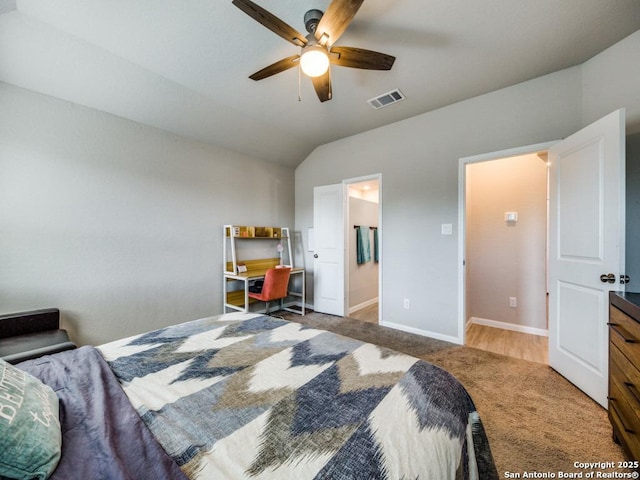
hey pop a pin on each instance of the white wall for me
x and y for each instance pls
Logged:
(418, 159)
(507, 259)
(118, 224)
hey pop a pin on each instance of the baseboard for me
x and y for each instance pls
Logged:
(362, 305)
(508, 326)
(424, 333)
(417, 331)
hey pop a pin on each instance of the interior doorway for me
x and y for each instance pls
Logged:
(363, 245)
(505, 224)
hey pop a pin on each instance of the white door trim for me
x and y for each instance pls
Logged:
(462, 215)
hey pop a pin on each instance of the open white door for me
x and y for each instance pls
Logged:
(586, 241)
(328, 258)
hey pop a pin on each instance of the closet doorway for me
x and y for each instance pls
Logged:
(363, 243)
(506, 205)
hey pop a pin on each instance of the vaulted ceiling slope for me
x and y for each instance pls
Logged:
(183, 66)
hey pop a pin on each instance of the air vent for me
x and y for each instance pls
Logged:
(386, 99)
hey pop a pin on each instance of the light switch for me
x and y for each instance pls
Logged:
(510, 216)
(447, 229)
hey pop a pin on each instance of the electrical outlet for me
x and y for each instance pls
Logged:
(513, 302)
(407, 303)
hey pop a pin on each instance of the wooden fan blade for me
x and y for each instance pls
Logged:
(274, 68)
(272, 22)
(322, 84)
(361, 58)
(336, 20)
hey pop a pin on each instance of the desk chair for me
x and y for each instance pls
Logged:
(276, 282)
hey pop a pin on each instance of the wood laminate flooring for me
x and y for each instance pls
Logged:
(367, 314)
(507, 342)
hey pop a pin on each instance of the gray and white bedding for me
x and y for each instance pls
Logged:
(243, 396)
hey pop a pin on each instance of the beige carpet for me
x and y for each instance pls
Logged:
(534, 418)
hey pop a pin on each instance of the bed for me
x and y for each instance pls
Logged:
(246, 396)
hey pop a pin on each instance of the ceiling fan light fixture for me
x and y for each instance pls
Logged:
(314, 61)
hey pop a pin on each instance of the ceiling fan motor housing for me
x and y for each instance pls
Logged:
(311, 19)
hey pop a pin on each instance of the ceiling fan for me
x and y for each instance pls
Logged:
(318, 47)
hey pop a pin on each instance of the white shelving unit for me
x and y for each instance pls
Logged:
(237, 233)
(238, 268)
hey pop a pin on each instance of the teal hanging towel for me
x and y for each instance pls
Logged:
(363, 247)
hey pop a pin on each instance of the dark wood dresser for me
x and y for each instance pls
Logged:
(624, 370)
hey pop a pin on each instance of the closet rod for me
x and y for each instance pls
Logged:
(370, 228)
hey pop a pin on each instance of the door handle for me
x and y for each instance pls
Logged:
(624, 279)
(608, 278)
(315, 255)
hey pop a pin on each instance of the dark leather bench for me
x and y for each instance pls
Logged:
(28, 335)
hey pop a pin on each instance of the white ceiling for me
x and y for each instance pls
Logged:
(183, 66)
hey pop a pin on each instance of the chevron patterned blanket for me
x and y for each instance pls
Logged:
(243, 396)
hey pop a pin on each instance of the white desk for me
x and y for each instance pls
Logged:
(252, 275)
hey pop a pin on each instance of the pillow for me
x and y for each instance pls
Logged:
(30, 435)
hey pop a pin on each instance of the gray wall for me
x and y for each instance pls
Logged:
(118, 224)
(418, 159)
(611, 80)
(633, 212)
